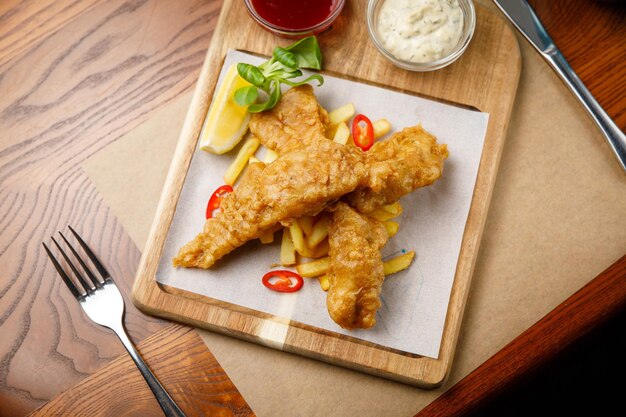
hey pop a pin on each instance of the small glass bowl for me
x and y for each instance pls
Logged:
(299, 32)
(469, 24)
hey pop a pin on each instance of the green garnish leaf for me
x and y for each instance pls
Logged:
(245, 96)
(313, 77)
(274, 69)
(292, 74)
(251, 74)
(274, 96)
(282, 68)
(285, 57)
(307, 53)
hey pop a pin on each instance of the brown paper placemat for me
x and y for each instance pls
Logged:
(556, 221)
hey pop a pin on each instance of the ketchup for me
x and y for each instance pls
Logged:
(295, 14)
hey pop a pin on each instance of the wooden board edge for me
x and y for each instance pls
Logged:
(252, 337)
(485, 181)
(145, 287)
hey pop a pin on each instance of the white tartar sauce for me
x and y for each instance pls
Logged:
(420, 30)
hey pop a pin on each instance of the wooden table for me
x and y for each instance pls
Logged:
(58, 107)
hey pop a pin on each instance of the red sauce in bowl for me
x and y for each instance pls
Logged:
(295, 15)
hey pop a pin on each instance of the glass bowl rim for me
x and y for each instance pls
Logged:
(469, 26)
(287, 31)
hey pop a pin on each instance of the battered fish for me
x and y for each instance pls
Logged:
(304, 182)
(356, 267)
(408, 160)
(296, 184)
(297, 122)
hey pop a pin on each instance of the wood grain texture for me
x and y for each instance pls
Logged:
(591, 36)
(184, 366)
(586, 309)
(26, 22)
(492, 63)
(74, 77)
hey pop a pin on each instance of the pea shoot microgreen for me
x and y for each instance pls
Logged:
(285, 65)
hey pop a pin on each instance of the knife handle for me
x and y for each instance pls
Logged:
(612, 133)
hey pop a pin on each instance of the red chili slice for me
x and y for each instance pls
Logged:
(283, 281)
(362, 132)
(216, 199)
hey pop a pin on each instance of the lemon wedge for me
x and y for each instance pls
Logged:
(226, 121)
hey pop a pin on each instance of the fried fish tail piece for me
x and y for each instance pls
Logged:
(408, 160)
(294, 185)
(219, 237)
(356, 267)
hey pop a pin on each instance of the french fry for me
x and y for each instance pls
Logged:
(306, 222)
(297, 237)
(306, 253)
(394, 208)
(341, 114)
(319, 232)
(314, 268)
(342, 134)
(330, 131)
(381, 214)
(391, 227)
(247, 150)
(319, 267)
(387, 212)
(321, 249)
(381, 128)
(253, 160)
(324, 282)
(287, 250)
(398, 263)
(270, 156)
(268, 237)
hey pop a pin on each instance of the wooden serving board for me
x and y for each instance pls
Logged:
(485, 78)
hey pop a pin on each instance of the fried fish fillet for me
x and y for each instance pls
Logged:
(296, 184)
(296, 122)
(408, 160)
(356, 267)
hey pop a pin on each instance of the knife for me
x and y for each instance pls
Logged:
(526, 21)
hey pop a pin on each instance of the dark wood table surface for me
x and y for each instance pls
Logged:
(77, 75)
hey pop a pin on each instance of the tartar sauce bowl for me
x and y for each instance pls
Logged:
(468, 14)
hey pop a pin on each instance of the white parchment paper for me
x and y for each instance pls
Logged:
(415, 301)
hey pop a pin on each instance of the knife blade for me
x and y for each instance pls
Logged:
(524, 18)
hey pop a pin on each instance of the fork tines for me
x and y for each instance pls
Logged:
(88, 286)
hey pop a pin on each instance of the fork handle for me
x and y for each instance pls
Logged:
(168, 405)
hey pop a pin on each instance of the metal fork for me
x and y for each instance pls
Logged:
(102, 302)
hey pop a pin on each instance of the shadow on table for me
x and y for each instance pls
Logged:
(586, 379)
